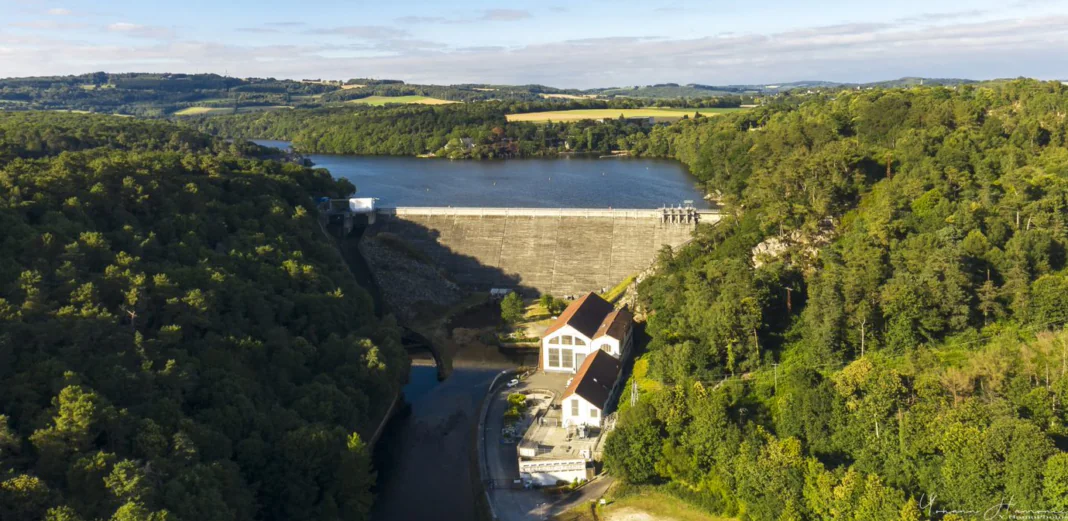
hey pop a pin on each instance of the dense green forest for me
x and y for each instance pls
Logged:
(178, 339)
(162, 95)
(411, 130)
(874, 332)
(152, 95)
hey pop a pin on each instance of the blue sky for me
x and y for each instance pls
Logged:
(565, 44)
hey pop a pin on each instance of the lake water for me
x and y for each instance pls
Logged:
(520, 183)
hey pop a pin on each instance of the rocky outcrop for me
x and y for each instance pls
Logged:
(409, 284)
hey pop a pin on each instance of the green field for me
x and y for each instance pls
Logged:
(645, 504)
(378, 101)
(207, 111)
(660, 114)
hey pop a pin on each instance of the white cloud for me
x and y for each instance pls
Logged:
(845, 52)
(363, 32)
(59, 11)
(142, 31)
(489, 15)
(506, 15)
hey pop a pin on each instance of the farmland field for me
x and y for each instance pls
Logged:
(204, 111)
(385, 100)
(660, 114)
(568, 96)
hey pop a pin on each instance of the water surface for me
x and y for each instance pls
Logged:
(569, 182)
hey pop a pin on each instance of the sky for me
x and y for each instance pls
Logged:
(592, 43)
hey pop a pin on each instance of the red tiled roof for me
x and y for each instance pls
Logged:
(595, 378)
(584, 314)
(616, 324)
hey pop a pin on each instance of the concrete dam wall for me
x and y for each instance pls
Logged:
(557, 251)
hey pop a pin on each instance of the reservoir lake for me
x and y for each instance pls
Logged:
(568, 182)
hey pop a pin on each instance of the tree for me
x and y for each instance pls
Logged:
(23, 498)
(1055, 486)
(512, 308)
(633, 449)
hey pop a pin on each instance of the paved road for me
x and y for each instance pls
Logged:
(519, 504)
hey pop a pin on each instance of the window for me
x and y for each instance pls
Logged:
(579, 341)
(593, 412)
(606, 348)
(579, 357)
(566, 340)
(566, 356)
(554, 340)
(574, 407)
(554, 357)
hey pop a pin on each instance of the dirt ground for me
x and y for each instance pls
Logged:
(630, 514)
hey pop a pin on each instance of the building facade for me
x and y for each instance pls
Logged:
(588, 325)
(590, 391)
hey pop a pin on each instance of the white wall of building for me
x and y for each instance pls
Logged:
(608, 345)
(568, 343)
(577, 411)
(548, 472)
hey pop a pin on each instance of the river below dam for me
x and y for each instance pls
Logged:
(568, 182)
(424, 458)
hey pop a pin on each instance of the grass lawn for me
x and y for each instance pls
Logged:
(661, 114)
(616, 292)
(644, 505)
(378, 101)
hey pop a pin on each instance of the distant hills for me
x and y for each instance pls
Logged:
(674, 90)
(176, 94)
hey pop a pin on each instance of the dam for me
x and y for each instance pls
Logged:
(559, 251)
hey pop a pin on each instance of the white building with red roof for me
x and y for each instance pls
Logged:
(588, 325)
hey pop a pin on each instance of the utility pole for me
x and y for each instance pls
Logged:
(789, 300)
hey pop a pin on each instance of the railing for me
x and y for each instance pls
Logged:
(535, 212)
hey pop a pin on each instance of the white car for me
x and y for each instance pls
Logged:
(513, 382)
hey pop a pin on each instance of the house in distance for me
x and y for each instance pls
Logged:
(588, 325)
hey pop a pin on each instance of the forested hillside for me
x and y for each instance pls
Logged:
(875, 332)
(152, 95)
(178, 340)
(414, 129)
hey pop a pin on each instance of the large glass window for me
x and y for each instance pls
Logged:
(554, 340)
(567, 357)
(593, 412)
(579, 341)
(574, 407)
(554, 357)
(607, 348)
(579, 357)
(566, 340)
